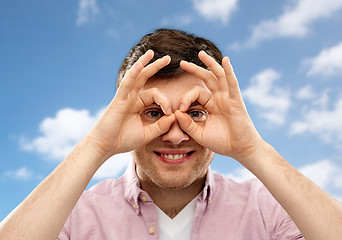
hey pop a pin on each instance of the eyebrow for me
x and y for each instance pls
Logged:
(152, 105)
(196, 103)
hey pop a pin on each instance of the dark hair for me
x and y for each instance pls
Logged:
(179, 45)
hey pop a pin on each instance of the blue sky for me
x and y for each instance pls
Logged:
(59, 61)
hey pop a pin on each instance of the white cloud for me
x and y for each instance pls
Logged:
(179, 20)
(87, 11)
(215, 9)
(323, 101)
(112, 33)
(324, 173)
(326, 123)
(293, 22)
(327, 63)
(338, 198)
(113, 166)
(240, 174)
(22, 174)
(271, 101)
(306, 92)
(60, 134)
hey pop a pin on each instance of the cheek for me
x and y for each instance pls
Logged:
(142, 154)
(208, 156)
(138, 156)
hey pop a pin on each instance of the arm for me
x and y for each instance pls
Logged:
(316, 214)
(43, 213)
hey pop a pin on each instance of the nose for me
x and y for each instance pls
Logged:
(175, 134)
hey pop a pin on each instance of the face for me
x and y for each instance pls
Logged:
(173, 160)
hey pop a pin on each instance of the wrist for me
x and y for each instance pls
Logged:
(253, 157)
(94, 150)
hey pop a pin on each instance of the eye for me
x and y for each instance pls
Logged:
(198, 115)
(153, 114)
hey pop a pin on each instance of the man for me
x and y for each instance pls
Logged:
(178, 103)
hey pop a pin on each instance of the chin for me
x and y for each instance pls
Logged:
(171, 176)
(177, 179)
(173, 183)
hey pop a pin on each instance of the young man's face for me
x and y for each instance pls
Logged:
(174, 159)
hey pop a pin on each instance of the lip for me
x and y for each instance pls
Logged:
(161, 153)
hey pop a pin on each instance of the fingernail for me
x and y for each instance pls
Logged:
(150, 50)
(168, 57)
(182, 107)
(167, 111)
(184, 62)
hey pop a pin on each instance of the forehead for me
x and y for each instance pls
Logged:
(175, 88)
(172, 86)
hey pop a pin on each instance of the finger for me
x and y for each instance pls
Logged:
(159, 127)
(199, 94)
(189, 126)
(136, 69)
(203, 74)
(233, 85)
(215, 68)
(153, 95)
(150, 70)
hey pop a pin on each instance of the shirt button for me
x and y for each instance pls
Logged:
(143, 197)
(151, 229)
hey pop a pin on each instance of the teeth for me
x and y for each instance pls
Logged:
(173, 157)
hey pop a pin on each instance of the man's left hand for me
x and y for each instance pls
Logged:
(228, 129)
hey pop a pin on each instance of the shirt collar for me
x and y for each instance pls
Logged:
(208, 190)
(132, 188)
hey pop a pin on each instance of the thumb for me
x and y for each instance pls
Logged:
(159, 127)
(189, 126)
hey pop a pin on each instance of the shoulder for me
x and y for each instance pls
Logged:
(103, 192)
(251, 190)
(107, 194)
(104, 187)
(249, 185)
(251, 202)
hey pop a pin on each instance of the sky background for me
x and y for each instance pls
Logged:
(59, 61)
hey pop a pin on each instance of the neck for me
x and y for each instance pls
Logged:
(172, 201)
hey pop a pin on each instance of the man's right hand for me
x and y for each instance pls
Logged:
(120, 128)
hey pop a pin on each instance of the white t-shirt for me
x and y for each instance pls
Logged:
(178, 228)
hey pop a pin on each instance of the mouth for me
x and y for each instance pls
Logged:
(174, 158)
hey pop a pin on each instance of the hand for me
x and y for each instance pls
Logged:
(228, 129)
(120, 128)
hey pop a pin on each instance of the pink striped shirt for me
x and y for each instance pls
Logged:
(119, 209)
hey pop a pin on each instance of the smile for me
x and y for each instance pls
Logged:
(174, 158)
